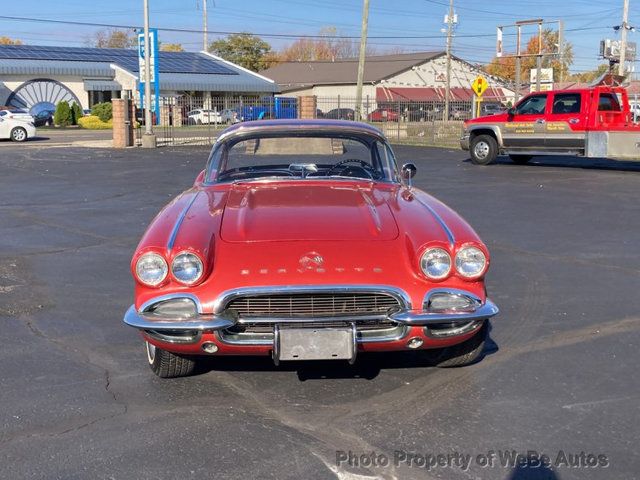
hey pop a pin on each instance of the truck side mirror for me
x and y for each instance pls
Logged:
(511, 112)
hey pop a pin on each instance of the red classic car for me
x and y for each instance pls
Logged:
(383, 115)
(303, 240)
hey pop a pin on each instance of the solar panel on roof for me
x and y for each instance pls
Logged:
(170, 62)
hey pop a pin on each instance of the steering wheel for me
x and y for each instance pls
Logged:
(362, 165)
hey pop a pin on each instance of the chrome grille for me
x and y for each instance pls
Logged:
(314, 305)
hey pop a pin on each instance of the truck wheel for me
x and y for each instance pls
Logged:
(484, 150)
(168, 365)
(464, 353)
(520, 159)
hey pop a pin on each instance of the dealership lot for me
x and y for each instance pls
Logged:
(559, 377)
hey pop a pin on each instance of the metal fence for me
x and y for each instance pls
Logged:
(197, 120)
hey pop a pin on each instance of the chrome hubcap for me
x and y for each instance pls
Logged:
(151, 352)
(18, 135)
(481, 150)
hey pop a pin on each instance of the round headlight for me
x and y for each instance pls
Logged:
(186, 268)
(151, 269)
(470, 262)
(435, 263)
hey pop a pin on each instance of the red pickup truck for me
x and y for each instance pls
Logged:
(590, 122)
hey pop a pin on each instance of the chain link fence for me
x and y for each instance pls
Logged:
(197, 120)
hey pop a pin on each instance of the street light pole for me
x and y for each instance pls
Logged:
(148, 139)
(363, 51)
(205, 41)
(623, 39)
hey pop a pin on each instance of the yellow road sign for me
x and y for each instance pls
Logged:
(479, 86)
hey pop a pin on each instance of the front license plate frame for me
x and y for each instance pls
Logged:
(310, 343)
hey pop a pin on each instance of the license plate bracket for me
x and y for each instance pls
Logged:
(326, 343)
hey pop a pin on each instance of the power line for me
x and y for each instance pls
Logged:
(269, 35)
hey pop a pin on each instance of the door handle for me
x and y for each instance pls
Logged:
(573, 121)
(540, 120)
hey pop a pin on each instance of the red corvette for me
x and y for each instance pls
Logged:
(303, 240)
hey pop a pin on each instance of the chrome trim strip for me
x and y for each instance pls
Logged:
(453, 331)
(354, 344)
(175, 339)
(451, 291)
(225, 297)
(171, 296)
(345, 318)
(179, 220)
(421, 318)
(275, 353)
(439, 219)
(148, 321)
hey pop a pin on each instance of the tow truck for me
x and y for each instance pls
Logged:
(594, 122)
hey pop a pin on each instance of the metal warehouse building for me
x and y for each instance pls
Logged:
(39, 77)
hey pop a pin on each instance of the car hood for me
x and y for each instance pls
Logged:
(306, 210)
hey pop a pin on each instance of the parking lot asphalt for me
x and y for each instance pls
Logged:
(559, 376)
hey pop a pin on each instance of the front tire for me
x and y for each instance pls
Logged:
(168, 365)
(520, 159)
(483, 149)
(464, 353)
(18, 134)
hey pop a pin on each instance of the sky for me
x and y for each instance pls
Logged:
(586, 22)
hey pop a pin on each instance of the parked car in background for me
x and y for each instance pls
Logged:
(16, 126)
(86, 112)
(203, 117)
(270, 108)
(383, 115)
(303, 240)
(17, 114)
(340, 114)
(319, 113)
(43, 118)
(491, 108)
(417, 113)
(459, 113)
(230, 116)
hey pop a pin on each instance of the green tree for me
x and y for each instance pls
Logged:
(244, 49)
(76, 113)
(104, 111)
(113, 38)
(63, 116)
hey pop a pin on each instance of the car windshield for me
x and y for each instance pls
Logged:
(302, 156)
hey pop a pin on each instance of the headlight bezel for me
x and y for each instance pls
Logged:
(199, 262)
(439, 249)
(479, 273)
(164, 269)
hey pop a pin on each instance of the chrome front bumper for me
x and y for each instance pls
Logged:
(217, 322)
(464, 141)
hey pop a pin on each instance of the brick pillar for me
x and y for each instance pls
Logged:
(165, 114)
(177, 115)
(122, 123)
(307, 106)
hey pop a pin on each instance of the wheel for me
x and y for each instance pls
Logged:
(18, 134)
(484, 149)
(464, 353)
(199, 122)
(520, 159)
(168, 365)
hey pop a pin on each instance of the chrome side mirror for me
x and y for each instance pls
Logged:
(408, 172)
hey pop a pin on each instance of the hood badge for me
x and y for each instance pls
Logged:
(311, 261)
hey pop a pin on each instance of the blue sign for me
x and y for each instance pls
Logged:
(154, 58)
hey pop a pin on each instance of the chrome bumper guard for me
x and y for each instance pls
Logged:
(211, 322)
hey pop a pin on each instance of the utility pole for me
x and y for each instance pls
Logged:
(148, 139)
(447, 94)
(363, 50)
(205, 41)
(623, 39)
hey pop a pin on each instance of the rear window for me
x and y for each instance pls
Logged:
(609, 103)
(566, 103)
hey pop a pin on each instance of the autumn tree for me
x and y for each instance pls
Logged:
(171, 47)
(244, 49)
(113, 38)
(328, 47)
(505, 67)
(591, 75)
(9, 41)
